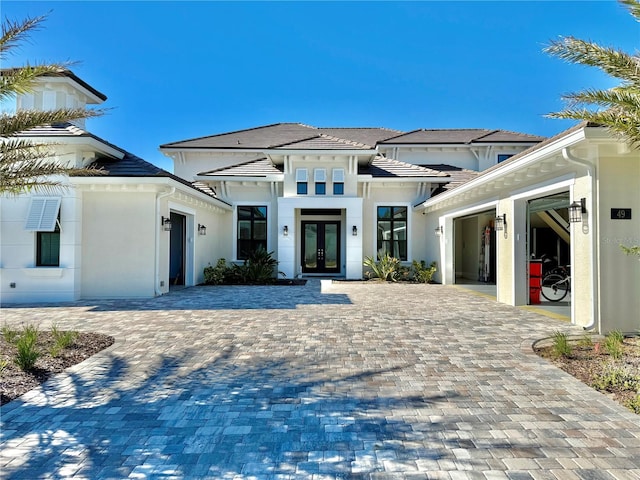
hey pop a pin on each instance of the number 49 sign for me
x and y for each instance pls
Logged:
(621, 214)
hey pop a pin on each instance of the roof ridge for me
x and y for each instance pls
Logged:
(294, 141)
(233, 166)
(345, 140)
(242, 130)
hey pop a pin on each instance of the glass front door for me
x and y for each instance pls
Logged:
(320, 247)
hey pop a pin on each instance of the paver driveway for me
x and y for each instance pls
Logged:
(358, 381)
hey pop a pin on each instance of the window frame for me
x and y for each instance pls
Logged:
(41, 235)
(506, 156)
(254, 242)
(407, 244)
(337, 178)
(302, 181)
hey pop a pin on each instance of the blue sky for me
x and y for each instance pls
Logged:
(178, 70)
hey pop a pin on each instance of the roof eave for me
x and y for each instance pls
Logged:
(239, 178)
(523, 162)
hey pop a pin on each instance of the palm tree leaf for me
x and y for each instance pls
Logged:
(611, 61)
(23, 120)
(18, 81)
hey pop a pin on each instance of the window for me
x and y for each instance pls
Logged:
(338, 181)
(48, 248)
(301, 181)
(252, 230)
(502, 157)
(320, 180)
(392, 231)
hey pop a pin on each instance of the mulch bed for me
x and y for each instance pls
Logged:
(589, 363)
(15, 382)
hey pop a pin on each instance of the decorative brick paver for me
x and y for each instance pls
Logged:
(353, 381)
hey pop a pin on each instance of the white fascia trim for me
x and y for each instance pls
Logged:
(238, 178)
(78, 140)
(470, 210)
(96, 100)
(370, 179)
(505, 169)
(152, 181)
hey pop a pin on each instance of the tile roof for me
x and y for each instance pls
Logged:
(324, 142)
(388, 168)
(260, 167)
(298, 136)
(462, 136)
(129, 165)
(457, 176)
(268, 136)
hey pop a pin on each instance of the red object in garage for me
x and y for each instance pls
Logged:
(535, 281)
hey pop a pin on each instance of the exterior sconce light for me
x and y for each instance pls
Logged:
(354, 231)
(501, 224)
(439, 231)
(202, 230)
(285, 231)
(577, 210)
(166, 224)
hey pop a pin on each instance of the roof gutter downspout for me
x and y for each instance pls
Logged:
(156, 276)
(591, 171)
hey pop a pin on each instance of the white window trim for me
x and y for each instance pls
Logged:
(302, 175)
(43, 214)
(320, 175)
(337, 175)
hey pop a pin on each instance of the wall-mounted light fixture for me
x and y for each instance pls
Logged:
(501, 224)
(577, 210)
(285, 231)
(202, 230)
(166, 224)
(439, 231)
(354, 231)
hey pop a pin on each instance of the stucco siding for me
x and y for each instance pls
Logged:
(619, 182)
(118, 237)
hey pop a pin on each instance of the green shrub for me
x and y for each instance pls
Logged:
(620, 376)
(586, 341)
(422, 273)
(28, 352)
(62, 339)
(386, 268)
(258, 269)
(215, 275)
(561, 347)
(634, 404)
(613, 343)
(10, 335)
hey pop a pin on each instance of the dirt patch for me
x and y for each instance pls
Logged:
(15, 382)
(590, 363)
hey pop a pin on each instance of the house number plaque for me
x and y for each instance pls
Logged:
(621, 214)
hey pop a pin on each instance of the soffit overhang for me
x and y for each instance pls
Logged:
(529, 166)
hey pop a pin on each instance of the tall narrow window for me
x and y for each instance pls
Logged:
(392, 231)
(338, 181)
(252, 230)
(320, 180)
(48, 248)
(301, 181)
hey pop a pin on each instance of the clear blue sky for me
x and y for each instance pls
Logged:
(178, 70)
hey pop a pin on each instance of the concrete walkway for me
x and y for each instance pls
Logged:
(358, 381)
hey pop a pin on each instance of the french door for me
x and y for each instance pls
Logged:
(320, 247)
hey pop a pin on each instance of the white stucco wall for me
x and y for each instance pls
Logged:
(118, 239)
(619, 302)
(18, 253)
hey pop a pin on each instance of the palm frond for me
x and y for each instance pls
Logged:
(23, 120)
(13, 33)
(613, 62)
(633, 6)
(18, 81)
(615, 97)
(619, 122)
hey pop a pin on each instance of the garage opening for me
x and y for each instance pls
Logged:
(475, 249)
(549, 249)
